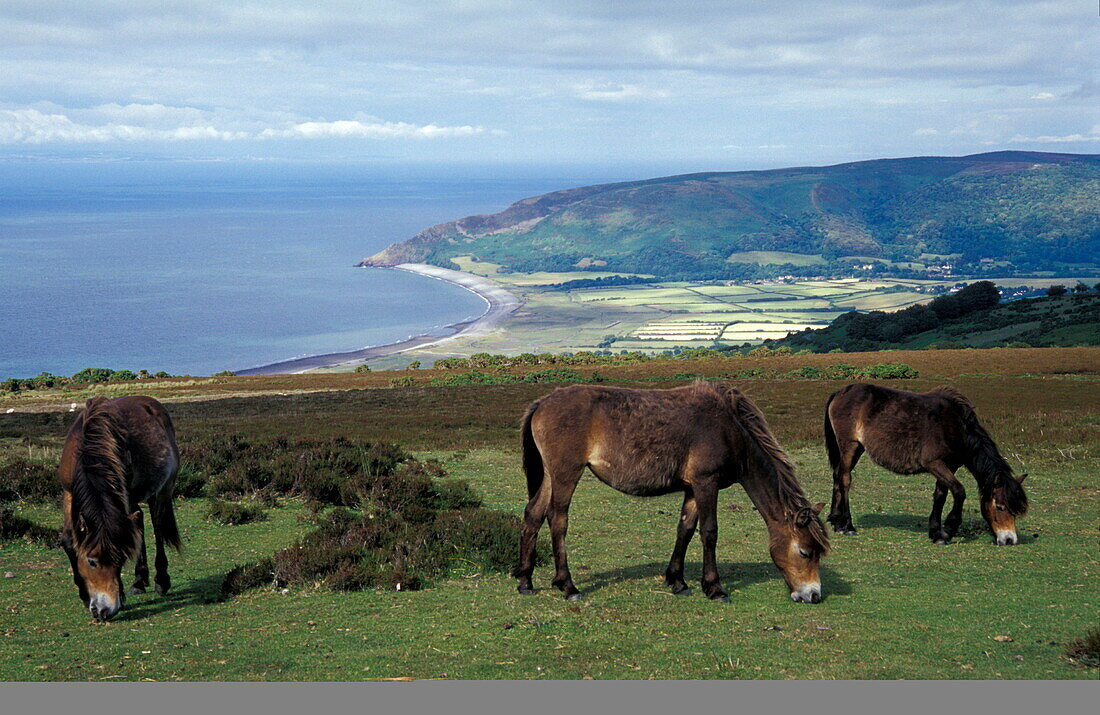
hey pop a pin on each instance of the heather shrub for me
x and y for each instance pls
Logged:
(23, 479)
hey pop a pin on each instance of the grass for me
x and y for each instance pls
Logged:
(896, 606)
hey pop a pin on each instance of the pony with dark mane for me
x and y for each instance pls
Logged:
(910, 433)
(118, 453)
(695, 439)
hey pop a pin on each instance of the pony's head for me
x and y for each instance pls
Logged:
(101, 533)
(97, 571)
(1002, 503)
(797, 545)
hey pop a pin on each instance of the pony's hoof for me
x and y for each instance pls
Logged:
(685, 591)
(161, 590)
(135, 590)
(526, 591)
(941, 542)
(721, 598)
(574, 597)
(848, 532)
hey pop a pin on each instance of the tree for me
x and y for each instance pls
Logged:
(362, 368)
(1080, 288)
(1056, 290)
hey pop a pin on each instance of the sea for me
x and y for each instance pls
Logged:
(198, 267)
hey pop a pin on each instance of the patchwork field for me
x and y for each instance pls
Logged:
(895, 605)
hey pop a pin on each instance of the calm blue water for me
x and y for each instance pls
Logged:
(195, 269)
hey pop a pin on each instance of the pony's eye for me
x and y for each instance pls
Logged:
(93, 563)
(1000, 507)
(803, 553)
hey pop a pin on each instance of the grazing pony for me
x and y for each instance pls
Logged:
(695, 439)
(118, 453)
(910, 433)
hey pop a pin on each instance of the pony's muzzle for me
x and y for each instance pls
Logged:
(807, 594)
(103, 608)
(1006, 538)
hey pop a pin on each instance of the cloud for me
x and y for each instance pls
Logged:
(1043, 95)
(926, 132)
(1093, 136)
(156, 122)
(355, 129)
(614, 92)
(30, 126)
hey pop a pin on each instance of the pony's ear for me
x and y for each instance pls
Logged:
(818, 507)
(135, 516)
(1021, 477)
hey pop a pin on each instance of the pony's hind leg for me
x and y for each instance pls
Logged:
(685, 529)
(563, 482)
(533, 516)
(141, 566)
(161, 509)
(840, 513)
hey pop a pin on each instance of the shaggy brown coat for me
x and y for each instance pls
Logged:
(696, 440)
(910, 433)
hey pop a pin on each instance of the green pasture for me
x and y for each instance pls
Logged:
(895, 605)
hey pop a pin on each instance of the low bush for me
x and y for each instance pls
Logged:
(384, 519)
(1085, 650)
(888, 371)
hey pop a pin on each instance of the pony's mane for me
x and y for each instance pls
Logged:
(791, 497)
(100, 497)
(989, 467)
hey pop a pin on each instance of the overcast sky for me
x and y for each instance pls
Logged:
(689, 85)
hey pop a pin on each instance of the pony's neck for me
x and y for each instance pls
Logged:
(764, 494)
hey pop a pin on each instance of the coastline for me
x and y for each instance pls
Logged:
(499, 305)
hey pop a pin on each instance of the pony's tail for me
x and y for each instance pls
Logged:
(831, 446)
(532, 459)
(166, 523)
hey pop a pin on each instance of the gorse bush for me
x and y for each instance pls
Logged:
(89, 375)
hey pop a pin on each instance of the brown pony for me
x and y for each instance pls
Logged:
(910, 433)
(696, 440)
(118, 453)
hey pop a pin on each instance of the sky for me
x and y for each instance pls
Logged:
(646, 84)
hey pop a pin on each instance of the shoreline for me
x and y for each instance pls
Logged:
(499, 305)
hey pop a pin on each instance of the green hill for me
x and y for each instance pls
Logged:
(970, 318)
(1001, 212)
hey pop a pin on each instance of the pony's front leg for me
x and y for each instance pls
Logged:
(935, 528)
(954, 517)
(706, 499)
(685, 529)
(141, 567)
